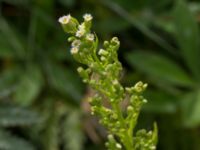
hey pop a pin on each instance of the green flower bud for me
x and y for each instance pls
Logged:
(144, 101)
(130, 109)
(103, 52)
(118, 146)
(115, 41)
(106, 44)
(152, 147)
(71, 38)
(83, 73)
(102, 58)
(111, 138)
(140, 87)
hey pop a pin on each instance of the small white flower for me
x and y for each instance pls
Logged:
(64, 19)
(76, 43)
(81, 26)
(87, 17)
(79, 33)
(90, 37)
(81, 30)
(74, 50)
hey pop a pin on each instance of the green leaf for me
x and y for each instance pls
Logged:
(65, 82)
(29, 87)
(165, 24)
(17, 116)
(6, 49)
(139, 25)
(11, 37)
(159, 67)
(8, 81)
(50, 134)
(187, 33)
(73, 133)
(11, 142)
(190, 106)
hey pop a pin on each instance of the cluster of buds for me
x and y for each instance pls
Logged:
(102, 74)
(83, 41)
(112, 143)
(145, 140)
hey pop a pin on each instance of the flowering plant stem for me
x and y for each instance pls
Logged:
(101, 72)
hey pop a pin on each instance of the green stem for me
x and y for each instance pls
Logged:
(127, 140)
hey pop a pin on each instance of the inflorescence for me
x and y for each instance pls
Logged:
(101, 71)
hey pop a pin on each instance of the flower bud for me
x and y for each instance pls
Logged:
(106, 44)
(103, 52)
(115, 41)
(130, 109)
(118, 146)
(103, 58)
(140, 87)
(83, 73)
(111, 138)
(144, 101)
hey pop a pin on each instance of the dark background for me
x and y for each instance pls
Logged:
(42, 99)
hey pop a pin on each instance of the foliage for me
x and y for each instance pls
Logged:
(175, 75)
(102, 74)
(37, 93)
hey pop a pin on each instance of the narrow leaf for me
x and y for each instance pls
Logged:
(187, 33)
(11, 142)
(190, 106)
(17, 116)
(73, 133)
(12, 38)
(159, 67)
(29, 87)
(65, 82)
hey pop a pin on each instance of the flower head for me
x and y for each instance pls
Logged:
(87, 17)
(64, 19)
(79, 33)
(81, 30)
(90, 37)
(69, 23)
(76, 43)
(74, 50)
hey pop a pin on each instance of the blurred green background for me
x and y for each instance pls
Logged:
(42, 99)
